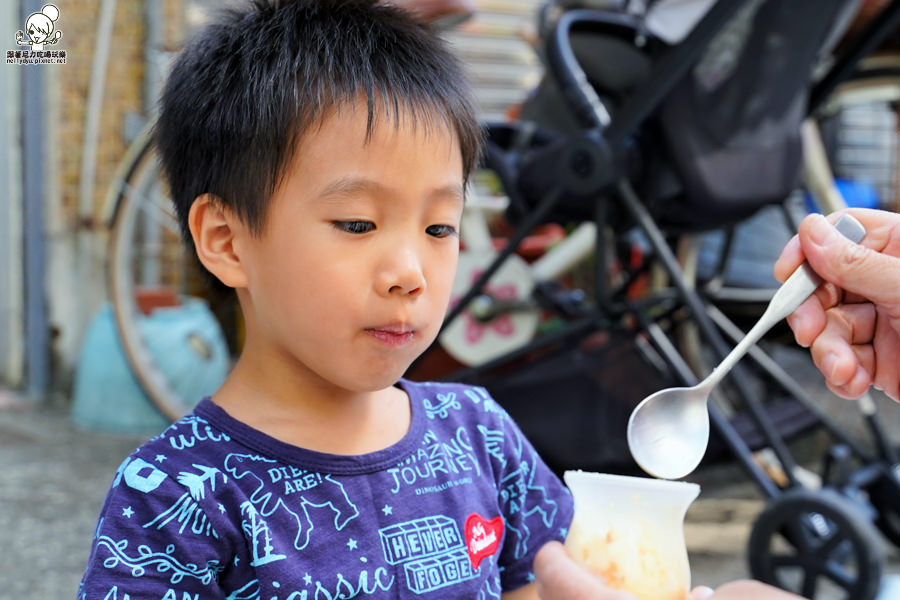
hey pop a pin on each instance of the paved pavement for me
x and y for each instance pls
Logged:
(54, 478)
(53, 481)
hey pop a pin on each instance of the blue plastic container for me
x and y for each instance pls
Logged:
(188, 346)
(856, 194)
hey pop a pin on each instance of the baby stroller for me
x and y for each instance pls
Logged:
(632, 140)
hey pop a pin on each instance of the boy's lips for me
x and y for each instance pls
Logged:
(393, 335)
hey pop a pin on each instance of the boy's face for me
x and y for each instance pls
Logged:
(350, 280)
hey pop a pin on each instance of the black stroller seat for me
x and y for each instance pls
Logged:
(722, 143)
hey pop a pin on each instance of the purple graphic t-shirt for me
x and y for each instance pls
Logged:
(212, 508)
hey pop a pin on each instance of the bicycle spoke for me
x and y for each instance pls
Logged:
(158, 214)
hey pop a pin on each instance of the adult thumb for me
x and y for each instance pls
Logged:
(850, 266)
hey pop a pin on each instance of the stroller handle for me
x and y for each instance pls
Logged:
(665, 74)
(573, 81)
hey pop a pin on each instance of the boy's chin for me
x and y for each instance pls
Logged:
(373, 382)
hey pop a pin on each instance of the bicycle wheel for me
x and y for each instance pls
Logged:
(169, 325)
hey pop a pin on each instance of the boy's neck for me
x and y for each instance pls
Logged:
(311, 415)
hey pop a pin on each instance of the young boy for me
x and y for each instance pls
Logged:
(317, 153)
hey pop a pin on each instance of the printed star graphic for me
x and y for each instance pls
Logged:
(564, 531)
(221, 508)
(307, 579)
(530, 577)
(160, 457)
(127, 512)
(388, 510)
(351, 544)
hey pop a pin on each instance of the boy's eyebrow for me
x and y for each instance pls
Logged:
(351, 185)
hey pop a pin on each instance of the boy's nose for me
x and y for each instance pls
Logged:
(401, 272)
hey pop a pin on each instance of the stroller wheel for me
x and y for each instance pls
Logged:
(884, 496)
(815, 543)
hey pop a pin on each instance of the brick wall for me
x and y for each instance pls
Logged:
(123, 90)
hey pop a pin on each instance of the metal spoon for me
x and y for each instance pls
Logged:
(669, 430)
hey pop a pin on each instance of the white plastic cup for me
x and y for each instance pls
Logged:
(630, 532)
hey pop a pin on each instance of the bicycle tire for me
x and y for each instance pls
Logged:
(137, 198)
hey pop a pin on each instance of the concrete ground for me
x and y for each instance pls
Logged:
(54, 478)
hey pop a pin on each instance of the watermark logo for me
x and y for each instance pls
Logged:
(40, 31)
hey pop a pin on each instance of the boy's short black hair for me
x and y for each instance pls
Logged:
(244, 92)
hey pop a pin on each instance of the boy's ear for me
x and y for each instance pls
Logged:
(215, 230)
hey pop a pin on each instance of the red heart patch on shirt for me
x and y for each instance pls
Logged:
(482, 537)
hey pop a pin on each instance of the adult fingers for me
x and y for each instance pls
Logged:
(858, 384)
(850, 266)
(792, 254)
(701, 592)
(853, 322)
(751, 590)
(791, 257)
(808, 321)
(882, 235)
(842, 351)
(887, 348)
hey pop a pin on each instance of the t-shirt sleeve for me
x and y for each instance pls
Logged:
(537, 507)
(154, 539)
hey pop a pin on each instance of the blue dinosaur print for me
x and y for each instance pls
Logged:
(521, 495)
(267, 502)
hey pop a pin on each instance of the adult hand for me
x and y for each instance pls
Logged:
(560, 578)
(852, 323)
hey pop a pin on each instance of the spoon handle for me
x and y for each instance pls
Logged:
(798, 287)
(804, 281)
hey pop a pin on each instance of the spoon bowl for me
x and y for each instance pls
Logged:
(665, 428)
(669, 430)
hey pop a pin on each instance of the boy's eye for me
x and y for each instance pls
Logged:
(354, 226)
(440, 231)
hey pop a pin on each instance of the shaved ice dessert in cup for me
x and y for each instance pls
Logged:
(630, 532)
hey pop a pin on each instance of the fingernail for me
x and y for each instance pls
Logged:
(795, 321)
(829, 364)
(702, 592)
(822, 232)
(860, 380)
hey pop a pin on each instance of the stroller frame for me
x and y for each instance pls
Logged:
(592, 165)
